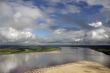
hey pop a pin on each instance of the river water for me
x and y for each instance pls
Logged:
(17, 63)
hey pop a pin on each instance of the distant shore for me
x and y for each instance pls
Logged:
(4, 51)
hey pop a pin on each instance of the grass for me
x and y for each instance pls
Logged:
(26, 50)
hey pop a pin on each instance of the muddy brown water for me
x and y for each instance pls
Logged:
(18, 63)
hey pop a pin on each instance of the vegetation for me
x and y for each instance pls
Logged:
(26, 50)
(40, 49)
(106, 51)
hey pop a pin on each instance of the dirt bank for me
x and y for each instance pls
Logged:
(78, 67)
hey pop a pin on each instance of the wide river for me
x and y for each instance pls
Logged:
(18, 63)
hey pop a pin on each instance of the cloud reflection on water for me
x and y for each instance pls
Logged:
(22, 62)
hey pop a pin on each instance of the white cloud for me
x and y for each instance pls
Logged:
(13, 35)
(20, 16)
(98, 35)
(68, 36)
(18, 20)
(59, 31)
(97, 24)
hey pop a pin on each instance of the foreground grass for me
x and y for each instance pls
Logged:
(26, 50)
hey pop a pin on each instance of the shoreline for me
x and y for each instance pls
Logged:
(77, 67)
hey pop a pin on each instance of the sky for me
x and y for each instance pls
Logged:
(37, 22)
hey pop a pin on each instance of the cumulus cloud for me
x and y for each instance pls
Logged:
(13, 35)
(98, 35)
(97, 24)
(20, 20)
(68, 36)
(18, 16)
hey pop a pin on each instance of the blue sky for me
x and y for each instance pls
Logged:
(71, 20)
(54, 21)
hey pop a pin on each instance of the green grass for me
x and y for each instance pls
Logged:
(26, 50)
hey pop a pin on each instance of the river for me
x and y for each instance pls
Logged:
(17, 63)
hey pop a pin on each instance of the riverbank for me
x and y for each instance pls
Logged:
(78, 67)
(5, 51)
